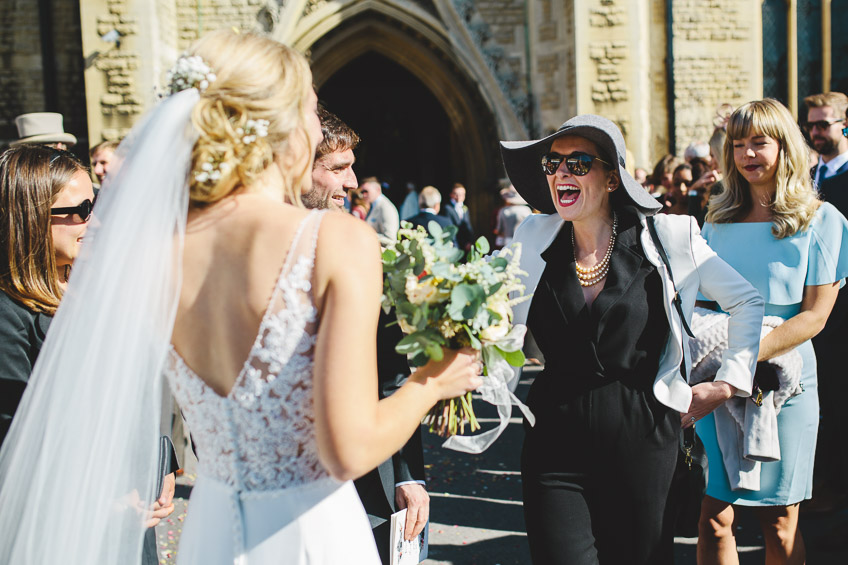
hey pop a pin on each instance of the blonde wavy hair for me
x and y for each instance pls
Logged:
(795, 200)
(257, 78)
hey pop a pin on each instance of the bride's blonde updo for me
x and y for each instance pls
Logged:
(256, 79)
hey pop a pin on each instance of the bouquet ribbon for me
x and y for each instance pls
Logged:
(497, 387)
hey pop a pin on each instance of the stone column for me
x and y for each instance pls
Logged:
(613, 62)
(718, 58)
(125, 70)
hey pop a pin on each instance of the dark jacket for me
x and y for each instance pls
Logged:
(22, 333)
(377, 488)
(465, 235)
(835, 190)
(424, 218)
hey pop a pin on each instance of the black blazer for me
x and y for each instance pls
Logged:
(835, 191)
(377, 488)
(22, 333)
(424, 218)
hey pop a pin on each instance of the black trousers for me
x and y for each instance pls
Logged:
(596, 474)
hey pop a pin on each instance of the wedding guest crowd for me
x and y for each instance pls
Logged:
(622, 270)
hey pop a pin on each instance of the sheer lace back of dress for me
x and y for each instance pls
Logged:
(261, 436)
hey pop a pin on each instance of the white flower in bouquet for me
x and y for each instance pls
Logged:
(426, 292)
(499, 329)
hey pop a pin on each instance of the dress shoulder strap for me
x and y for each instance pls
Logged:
(301, 254)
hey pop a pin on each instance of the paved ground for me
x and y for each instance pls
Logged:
(476, 512)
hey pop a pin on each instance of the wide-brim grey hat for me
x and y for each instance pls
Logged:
(42, 127)
(523, 162)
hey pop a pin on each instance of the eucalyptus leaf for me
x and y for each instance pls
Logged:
(434, 351)
(455, 256)
(482, 245)
(403, 263)
(466, 300)
(515, 358)
(435, 229)
(410, 345)
(475, 343)
(444, 271)
(419, 359)
(390, 256)
(498, 264)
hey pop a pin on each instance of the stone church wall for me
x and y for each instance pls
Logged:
(22, 75)
(717, 48)
(602, 56)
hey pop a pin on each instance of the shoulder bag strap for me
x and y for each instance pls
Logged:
(678, 304)
(687, 443)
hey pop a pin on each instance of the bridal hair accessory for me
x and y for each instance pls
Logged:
(213, 170)
(253, 129)
(190, 72)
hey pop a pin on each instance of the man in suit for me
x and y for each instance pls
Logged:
(332, 171)
(429, 202)
(825, 121)
(397, 483)
(382, 214)
(457, 212)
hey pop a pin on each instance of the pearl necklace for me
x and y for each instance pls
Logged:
(594, 275)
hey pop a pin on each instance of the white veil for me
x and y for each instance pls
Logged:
(78, 465)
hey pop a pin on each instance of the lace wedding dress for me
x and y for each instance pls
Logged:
(261, 494)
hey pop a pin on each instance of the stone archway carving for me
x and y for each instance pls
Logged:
(439, 27)
(477, 109)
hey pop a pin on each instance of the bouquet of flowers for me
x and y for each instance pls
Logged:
(441, 301)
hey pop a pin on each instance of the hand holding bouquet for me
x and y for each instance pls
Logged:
(442, 302)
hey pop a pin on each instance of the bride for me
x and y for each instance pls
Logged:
(263, 317)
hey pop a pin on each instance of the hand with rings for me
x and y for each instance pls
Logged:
(705, 398)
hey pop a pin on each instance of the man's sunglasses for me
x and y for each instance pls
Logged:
(578, 163)
(821, 124)
(81, 211)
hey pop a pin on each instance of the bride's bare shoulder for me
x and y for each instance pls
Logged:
(345, 232)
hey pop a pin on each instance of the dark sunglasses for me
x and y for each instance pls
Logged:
(578, 163)
(821, 124)
(81, 211)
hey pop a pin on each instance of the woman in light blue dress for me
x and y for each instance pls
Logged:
(771, 227)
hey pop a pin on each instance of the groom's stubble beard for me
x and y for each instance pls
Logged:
(314, 201)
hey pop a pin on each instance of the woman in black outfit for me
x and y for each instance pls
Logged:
(609, 406)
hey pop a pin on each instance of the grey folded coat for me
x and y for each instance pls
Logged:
(747, 434)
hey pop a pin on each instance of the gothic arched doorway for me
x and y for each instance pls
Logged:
(421, 118)
(405, 131)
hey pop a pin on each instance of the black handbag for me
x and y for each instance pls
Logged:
(689, 482)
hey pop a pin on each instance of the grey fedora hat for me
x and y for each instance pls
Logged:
(523, 162)
(42, 127)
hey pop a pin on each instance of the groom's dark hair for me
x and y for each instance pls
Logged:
(337, 135)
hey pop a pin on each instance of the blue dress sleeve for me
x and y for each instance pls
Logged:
(828, 255)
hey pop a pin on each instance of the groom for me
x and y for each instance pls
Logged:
(397, 483)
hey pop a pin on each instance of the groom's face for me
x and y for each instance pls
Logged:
(332, 177)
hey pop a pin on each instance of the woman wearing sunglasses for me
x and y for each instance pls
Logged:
(45, 205)
(608, 314)
(795, 254)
